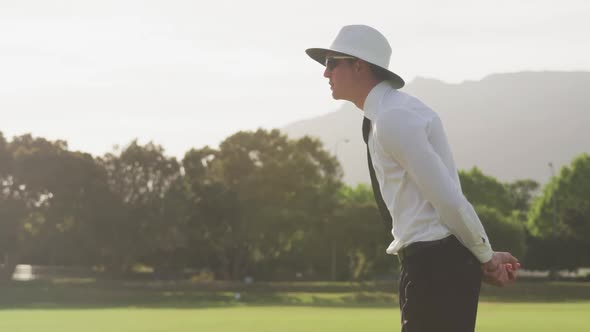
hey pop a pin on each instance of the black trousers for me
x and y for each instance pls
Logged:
(439, 289)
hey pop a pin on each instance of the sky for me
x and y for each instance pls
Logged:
(185, 74)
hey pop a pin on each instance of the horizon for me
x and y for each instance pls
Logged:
(340, 104)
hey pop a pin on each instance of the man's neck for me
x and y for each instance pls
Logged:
(363, 92)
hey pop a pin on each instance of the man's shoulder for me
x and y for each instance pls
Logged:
(400, 99)
(400, 106)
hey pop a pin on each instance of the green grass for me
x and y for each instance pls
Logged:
(88, 306)
(492, 317)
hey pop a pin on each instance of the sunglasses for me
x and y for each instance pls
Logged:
(331, 62)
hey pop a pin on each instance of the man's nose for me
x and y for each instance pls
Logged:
(327, 73)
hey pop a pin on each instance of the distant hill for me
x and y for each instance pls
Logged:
(509, 125)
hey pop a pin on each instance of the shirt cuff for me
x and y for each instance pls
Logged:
(482, 252)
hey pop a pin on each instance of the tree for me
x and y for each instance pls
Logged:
(521, 194)
(481, 189)
(257, 197)
(13, 210)
(501, 208)
(560, 218)
(25, 197)
(74, 191)
(569, 190)
(359, 234)
(140, 177)
(506, 233)
(51, 196)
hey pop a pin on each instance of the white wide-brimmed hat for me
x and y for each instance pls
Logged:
(363, 42)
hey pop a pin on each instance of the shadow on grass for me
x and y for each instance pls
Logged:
(93, 294)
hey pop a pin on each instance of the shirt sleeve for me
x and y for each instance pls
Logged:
(404, 136)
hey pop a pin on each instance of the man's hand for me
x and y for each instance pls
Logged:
(501, 269)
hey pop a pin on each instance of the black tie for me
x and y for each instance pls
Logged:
(386, 216)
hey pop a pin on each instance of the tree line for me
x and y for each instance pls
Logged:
(260, 205)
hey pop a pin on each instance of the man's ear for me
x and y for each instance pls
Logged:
(358, 65)
(361, 65)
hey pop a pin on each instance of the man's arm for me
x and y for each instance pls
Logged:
(404, 135)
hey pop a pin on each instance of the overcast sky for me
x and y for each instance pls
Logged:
(190, 73)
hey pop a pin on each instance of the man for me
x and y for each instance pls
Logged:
(442, 245)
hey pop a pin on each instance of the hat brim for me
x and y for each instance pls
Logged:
(319, 55)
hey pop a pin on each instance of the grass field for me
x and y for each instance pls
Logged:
(342, 307)
(492, 317)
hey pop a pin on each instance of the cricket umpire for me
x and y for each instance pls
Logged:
(444, 250)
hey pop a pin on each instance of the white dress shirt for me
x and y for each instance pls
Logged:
(417, 175)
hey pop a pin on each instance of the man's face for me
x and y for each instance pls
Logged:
(340, 72)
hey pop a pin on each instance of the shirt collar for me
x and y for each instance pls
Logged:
(374, 99)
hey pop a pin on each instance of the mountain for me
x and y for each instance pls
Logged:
(511, 126)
